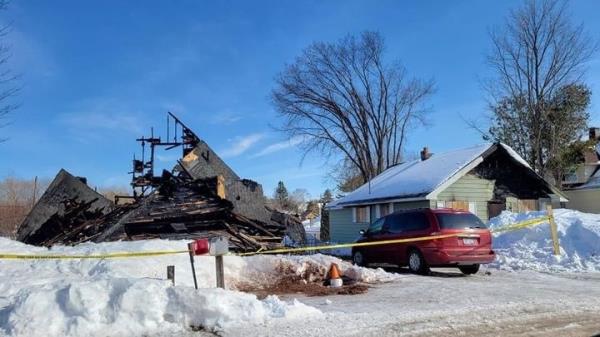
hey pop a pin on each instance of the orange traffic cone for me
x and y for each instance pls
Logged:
(335, 280)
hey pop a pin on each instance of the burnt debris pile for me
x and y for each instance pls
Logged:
(202, 196)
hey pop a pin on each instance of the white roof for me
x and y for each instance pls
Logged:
(420, 179)
(416, 178)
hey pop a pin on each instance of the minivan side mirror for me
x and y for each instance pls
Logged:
(362, 232)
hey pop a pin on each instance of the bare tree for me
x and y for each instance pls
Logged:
(536, 55)
(346, 176)
(298, 200)
(17, 197)
(7, 78)
(344, 99)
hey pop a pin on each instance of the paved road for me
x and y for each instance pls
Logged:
(503, 303)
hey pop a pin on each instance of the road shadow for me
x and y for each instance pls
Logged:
(434, 272)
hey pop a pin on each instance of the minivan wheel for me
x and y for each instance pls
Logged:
(416, 262)
(469, 270)
(359, 259)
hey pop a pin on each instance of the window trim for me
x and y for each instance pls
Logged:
(368, 216)
(378, 209)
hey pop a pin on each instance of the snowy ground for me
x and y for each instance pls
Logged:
(131, 297)
(527, 291)
(503, 303)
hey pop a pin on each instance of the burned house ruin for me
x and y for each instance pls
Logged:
(201, 196)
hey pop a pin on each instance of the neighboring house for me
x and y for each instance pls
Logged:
(583, 185)
(483, 179)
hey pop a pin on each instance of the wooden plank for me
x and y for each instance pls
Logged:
(553, 230)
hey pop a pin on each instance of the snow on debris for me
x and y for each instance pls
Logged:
(130, 297)
(531, 248)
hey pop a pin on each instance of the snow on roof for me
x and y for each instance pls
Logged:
(593, 182)
(515, 155)
(416, 179)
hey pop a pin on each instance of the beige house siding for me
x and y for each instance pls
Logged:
(585, 200)
(470, 188)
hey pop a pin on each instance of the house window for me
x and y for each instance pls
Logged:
(361, 214)
(470, 206)
(383, 210)
(458, 205)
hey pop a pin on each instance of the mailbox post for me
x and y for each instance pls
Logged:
(216, 246)
(220, 272)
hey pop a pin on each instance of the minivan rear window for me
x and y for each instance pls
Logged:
(459, 221)
(405, 222)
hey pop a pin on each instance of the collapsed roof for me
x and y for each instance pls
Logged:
(202, 196)
(58, 201)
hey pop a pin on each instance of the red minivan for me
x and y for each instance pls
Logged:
(471, 247)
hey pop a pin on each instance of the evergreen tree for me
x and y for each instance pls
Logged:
(327, 197)
(281, 196)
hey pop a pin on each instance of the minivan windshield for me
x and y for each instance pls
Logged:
(375, 227)
(459, 221)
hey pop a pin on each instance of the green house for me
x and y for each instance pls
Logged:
(484, 179)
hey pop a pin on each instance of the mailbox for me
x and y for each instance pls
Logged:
(218, 245)
(199, 247)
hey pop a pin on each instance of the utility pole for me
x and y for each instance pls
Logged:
(34, 192)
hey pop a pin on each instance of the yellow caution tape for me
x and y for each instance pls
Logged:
(512, 227)
(347, 245)
(520, 225)
(91, 256)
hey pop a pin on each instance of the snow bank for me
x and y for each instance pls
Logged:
(531, 248)
(130, 297)
(310, 268)
(133, 307)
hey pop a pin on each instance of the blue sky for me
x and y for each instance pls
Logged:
(97, 74)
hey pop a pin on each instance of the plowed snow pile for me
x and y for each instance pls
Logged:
(531, 248)
(130, 297)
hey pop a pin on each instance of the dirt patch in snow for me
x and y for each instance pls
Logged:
(309, 280)
(293, 285)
